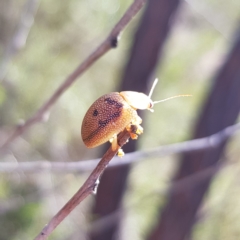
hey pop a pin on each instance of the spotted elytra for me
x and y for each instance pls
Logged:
(112, 113)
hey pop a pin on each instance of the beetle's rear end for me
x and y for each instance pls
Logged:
(107, 116)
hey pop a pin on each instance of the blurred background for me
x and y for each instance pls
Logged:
(41, 43)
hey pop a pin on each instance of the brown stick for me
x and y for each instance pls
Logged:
(90, 186)
(110, 42)
(221, 110)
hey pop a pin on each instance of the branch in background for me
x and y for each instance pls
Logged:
(110, 42)
(211, 16)
(89, 187)
(19, 39)
(106, 221)
(220, 110)
(145, 54)
(83, 166)
(189, 181)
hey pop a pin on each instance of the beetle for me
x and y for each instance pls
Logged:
(112, 113)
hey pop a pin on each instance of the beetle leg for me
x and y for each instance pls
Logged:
(120, 153)
(114, 143)
(134, 130)
(139, 130)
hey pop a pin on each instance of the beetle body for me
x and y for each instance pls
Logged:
(112, 113)
(106, 117)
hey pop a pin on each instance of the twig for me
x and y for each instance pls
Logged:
(110, 42)
(87, 165)
(19, 39)
(211, 16)
(187, 182)
(90, 186)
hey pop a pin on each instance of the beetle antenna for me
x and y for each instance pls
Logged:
(153, 86)
(166, 99)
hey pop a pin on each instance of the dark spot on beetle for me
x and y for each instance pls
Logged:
(109, 119)
(102, 124)
(116, 114)
(109, 101)
(95, 112)
(113, 102)
(118, 105)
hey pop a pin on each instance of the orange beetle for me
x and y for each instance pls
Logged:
(112, 113)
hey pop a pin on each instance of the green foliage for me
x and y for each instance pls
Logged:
(17, 212)
(16, 224)
(2, 95)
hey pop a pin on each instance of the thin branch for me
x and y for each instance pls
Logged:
(105, 222)
(110, 42)
(187, 182)
(19, 39)
(89, 187)
(211, 16)
(211, 141)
